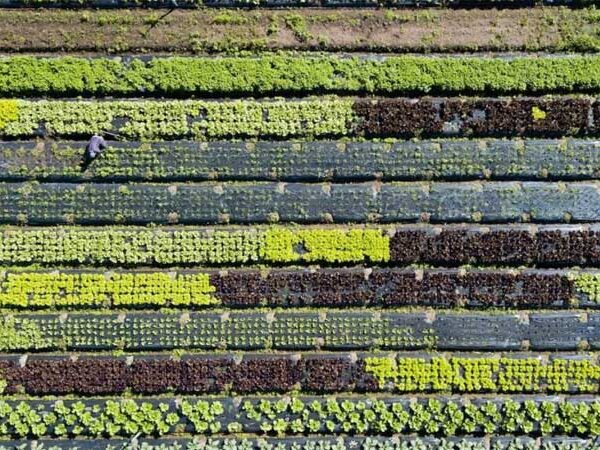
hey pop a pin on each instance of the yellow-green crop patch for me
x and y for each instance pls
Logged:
(483, 374)
(33, 289)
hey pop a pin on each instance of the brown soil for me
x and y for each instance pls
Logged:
(207, 31)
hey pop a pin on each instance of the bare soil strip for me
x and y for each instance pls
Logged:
(353, 30)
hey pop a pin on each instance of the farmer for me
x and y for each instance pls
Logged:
(93, 150)
(95, 147)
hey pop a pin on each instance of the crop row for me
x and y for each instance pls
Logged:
(300, 330)
(128, 246)
(347, 30)
(271, 202)
(299, 415)
(542, 245)
(309, 443)
(316, 443)
(265, 30)
(300, 443)
(307, 118)
(299, 287)
(194, 374)
(306, 161)
(300, 75)
(185, 4)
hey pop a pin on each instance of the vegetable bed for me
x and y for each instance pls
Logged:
(301, 330)
(316, 117)
(453, 245)
(309, 372)
(268, 202)
(344, 287)
(298, 416)
(272, 75)
(292, 161)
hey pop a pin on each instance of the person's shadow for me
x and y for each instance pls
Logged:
(85, 163)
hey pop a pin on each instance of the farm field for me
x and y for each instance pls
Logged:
(315, 225)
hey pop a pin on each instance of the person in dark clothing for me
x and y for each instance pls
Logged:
(95, 147)
(93, 150)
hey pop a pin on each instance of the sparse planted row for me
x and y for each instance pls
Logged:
(312, 443)
(186, 4)
(300, 75)
(445, 159)
(270, 202)
(337, 288)
(542, 245)
(310, 373)
(319, 117)
(299, 415)
(300, 330)
(319, 443)
(208, 30)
